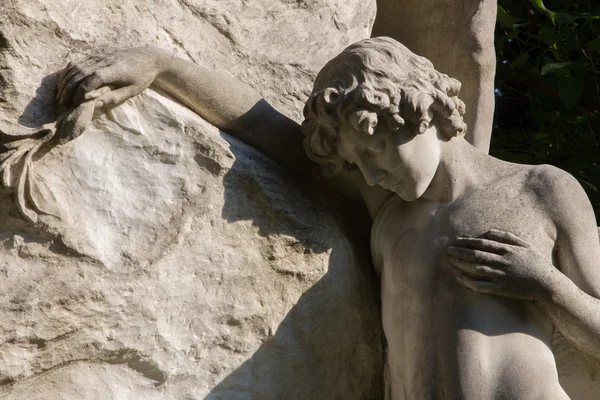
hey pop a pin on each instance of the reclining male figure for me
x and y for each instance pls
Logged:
(468, 308)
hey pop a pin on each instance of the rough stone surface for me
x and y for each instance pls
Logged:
(181, 264)
(275, 46)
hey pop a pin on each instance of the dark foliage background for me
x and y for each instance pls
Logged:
(547, 87)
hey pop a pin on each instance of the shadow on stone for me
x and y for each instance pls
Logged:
(329, 345)
(43, 108)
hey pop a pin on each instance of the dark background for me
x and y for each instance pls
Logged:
(547, 87)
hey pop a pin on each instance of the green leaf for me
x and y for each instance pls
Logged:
(549, 35)
(563, 18)
(521, 60)
(572, 44)
(500, 42)
(539, 4)
(542, 136)
(593, 45)
(551, 67)
(504, 18)
(580, 119)
(570, 91)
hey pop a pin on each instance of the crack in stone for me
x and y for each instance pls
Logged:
(210, 19)
(139, 363)
(129, 357)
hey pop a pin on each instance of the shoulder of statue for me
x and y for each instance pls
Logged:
(559, 192)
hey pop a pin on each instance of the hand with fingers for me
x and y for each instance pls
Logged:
(501, 263)
(82, 87)
(127, 73)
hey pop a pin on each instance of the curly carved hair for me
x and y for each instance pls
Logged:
(376, 81)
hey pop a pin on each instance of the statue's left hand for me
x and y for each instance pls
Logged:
(501, 263)
(127, 73)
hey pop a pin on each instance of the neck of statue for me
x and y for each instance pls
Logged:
(461, 166)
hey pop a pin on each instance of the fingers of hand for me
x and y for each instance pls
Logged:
(67, 90)
(75, 74)
(63, 74)
(473, 255)
(95, 94)
(89, 84)
(490, 246)
(70, 70)
(116, 97)
(504, 237)
(476, 270)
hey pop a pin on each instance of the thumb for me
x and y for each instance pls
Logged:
(117, 96)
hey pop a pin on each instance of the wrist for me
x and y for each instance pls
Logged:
(162, 61)
(554, 286)
(154, 61)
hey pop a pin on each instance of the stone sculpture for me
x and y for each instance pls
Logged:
(119, 355)
(457, 220)
(464, 243)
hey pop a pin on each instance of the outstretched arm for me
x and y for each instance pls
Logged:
(502, 264)
(215, 95)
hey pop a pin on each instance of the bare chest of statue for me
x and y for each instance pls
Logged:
(445, 342)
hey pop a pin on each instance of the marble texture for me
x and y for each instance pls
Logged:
(171, 261)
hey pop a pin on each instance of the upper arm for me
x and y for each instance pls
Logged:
(236, 108)
(281, 139)
(273, 134)
(577, 248)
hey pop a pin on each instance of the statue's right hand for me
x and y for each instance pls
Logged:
(127, 73)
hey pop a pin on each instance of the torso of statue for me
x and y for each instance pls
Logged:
(444, 341)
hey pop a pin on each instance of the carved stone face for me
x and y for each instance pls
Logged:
(400, 161)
